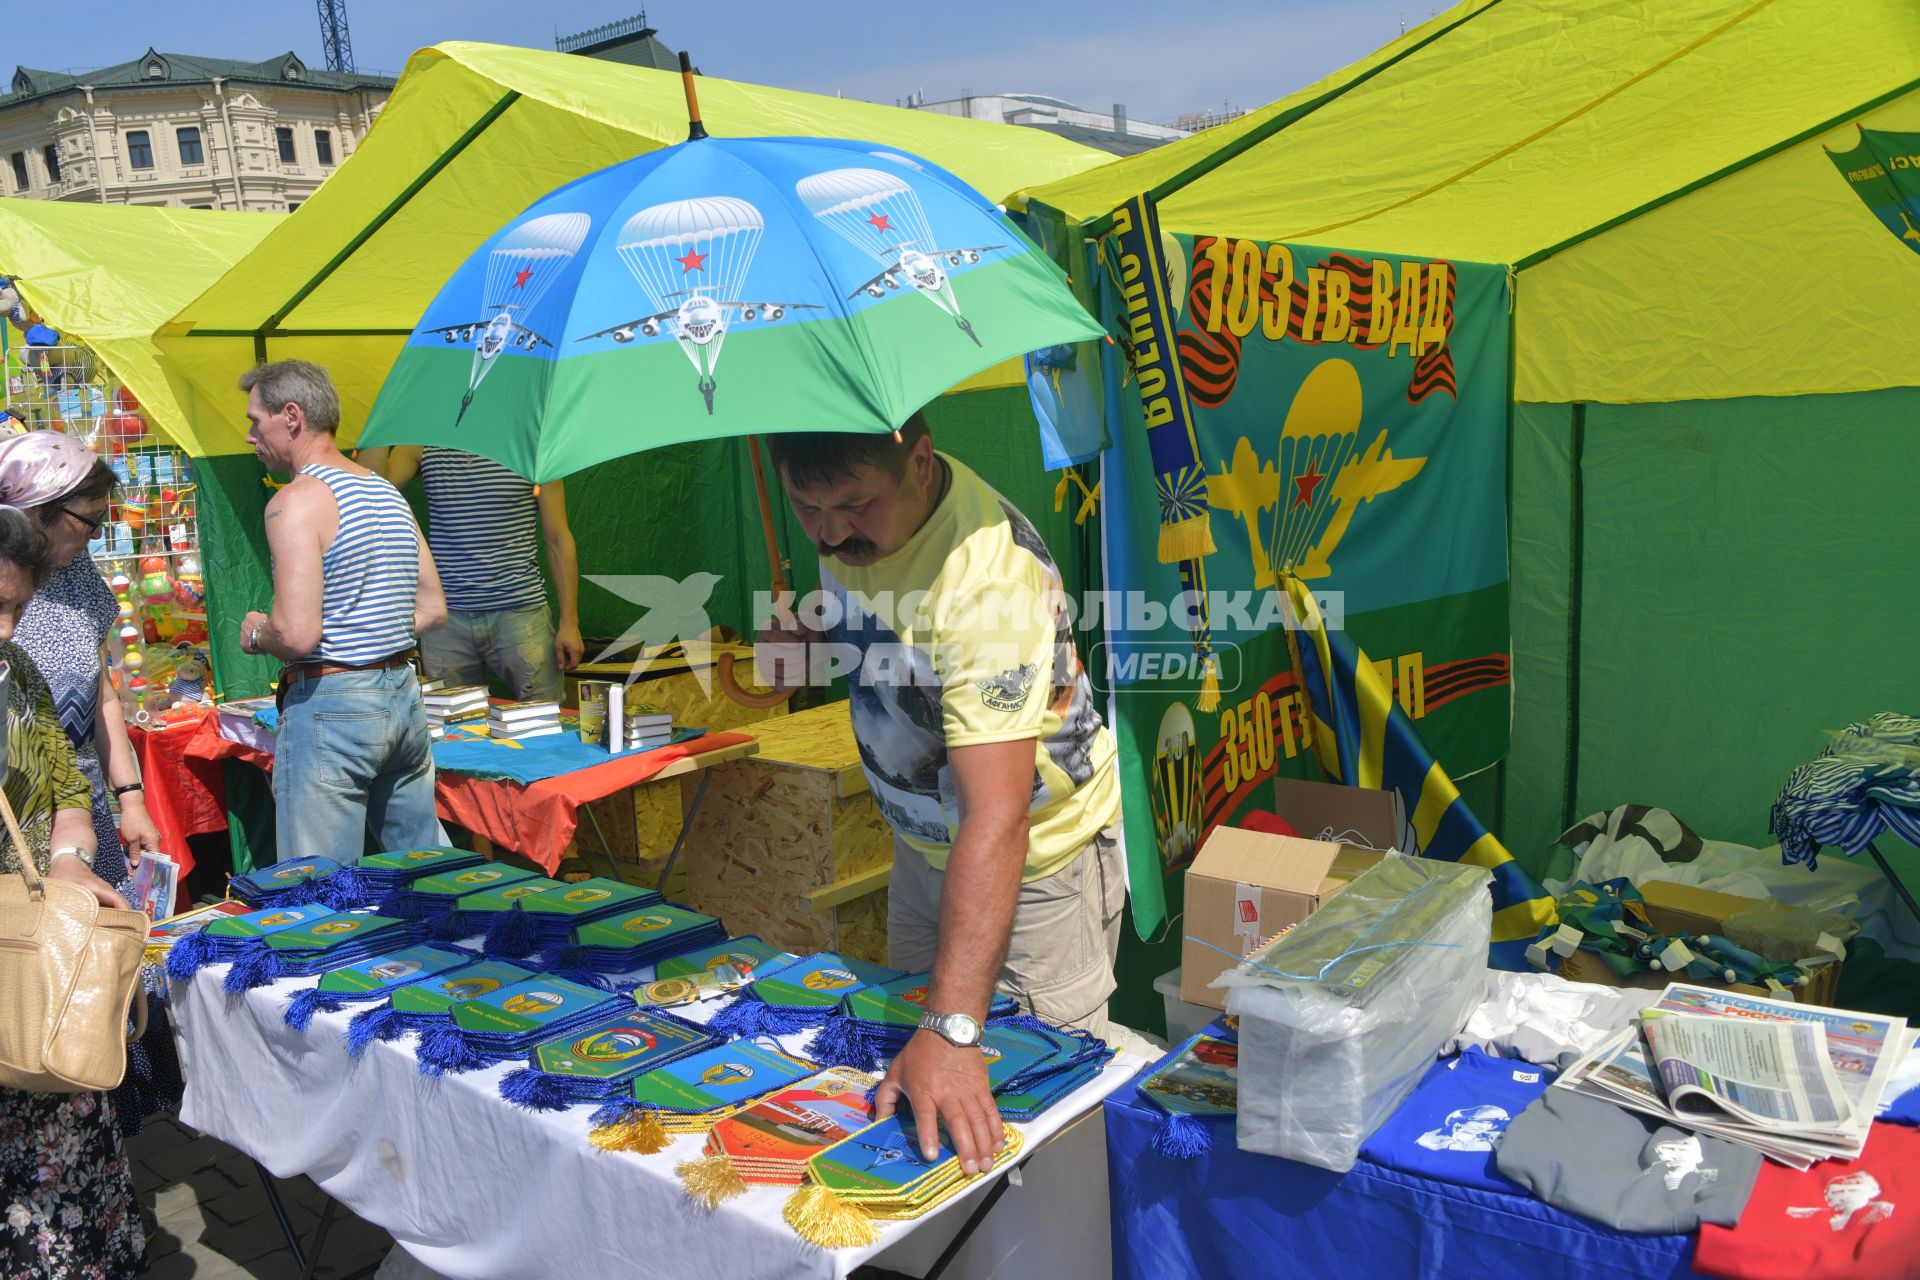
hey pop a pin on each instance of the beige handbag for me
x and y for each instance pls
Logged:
(69, 973)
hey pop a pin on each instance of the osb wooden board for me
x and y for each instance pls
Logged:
(640, 822)
(762, 838)
(862, 840)
(861, 926)
(820, 738)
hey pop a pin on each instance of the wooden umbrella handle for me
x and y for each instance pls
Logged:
(731, 686)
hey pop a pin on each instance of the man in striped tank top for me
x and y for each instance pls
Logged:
(353, 586)
(486, 526)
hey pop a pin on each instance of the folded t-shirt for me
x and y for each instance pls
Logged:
(1629, 1171)
(1854, 1218)
(1450, 1125)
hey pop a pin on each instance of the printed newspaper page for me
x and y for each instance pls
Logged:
(1773, 1074)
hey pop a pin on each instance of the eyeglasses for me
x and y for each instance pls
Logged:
(92, 524)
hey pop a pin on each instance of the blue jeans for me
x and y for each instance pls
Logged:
(515, 644)
(353, 757)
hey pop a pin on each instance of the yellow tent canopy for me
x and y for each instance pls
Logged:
(109, 275)
(473, 134)
(1642, 163)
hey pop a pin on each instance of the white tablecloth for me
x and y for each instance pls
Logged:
(474, 1187)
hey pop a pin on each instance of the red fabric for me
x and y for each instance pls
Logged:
(186, 794)
(1266, 822)
(1840, 1218)
(538, 819)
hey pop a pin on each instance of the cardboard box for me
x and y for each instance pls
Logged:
(1356, 816)
(1685, 909)
(1243, 887)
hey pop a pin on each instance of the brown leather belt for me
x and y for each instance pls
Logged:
(294, 672)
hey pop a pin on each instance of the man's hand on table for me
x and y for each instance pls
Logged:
(945, 1085)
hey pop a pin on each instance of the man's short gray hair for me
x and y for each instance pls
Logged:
(301, 382)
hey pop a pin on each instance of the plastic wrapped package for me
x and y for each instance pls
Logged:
(1341, 1015)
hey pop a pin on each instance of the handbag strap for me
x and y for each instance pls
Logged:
(37, 889)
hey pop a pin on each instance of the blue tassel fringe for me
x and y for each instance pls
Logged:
(536, 1090)
(305, 1004)
(190, 955)
(1182, 1137)
(512, 936)
(445, 1049)
(256, 968)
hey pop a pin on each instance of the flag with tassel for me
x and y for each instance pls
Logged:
(1196, 1088)
(422, 1006)
(1363, 737)
(291, 883)
(879, 1174)
(599, 1061)
(372, 979)
(799, 997)
(691, 1094)
(509, 1022)
(768, 1143)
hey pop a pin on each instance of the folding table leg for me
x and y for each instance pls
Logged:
(686, 825)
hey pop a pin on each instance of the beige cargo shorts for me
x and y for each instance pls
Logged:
(1066, 931)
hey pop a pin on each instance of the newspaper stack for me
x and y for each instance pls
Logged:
(461, 705)
(518, 721)
(1799, 1082)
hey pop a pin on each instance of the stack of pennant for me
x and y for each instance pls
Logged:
(873, 1024)
(372, 979)
(1196, 1087)
(1031, 1065)
(691, 1095)
(599, 1062)
(879, 1173)
(380, 876)
(699, 975)
(635, 938)
(425, 1006)
(432, 898)
(477, 913)
(293, 883)
(544, 922)
(510, 1022)
(287, 942)
(798, 997)
(769, 1143)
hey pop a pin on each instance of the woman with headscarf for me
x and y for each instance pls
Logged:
(67, 1204)
(64, 489)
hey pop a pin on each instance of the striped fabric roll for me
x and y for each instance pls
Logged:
(483, 524)
(371, 573)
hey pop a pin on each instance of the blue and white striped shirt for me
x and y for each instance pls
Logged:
(371, 573)
(483, 524)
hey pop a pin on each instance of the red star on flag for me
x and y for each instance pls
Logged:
(880, 222)
(1306, 484)
(521, 276)
(694, 261)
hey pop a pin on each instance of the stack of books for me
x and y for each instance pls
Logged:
(460, 705)
(518, 721)
(647, 726)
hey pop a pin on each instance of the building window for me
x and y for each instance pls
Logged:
(285, 136)
(51, 154)
(190, 149)
(155, 71)
(323, 145)
(20, 182)
(139, 149)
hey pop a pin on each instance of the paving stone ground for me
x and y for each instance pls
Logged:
(208, 1218)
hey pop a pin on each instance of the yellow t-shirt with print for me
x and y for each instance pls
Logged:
(961, 638)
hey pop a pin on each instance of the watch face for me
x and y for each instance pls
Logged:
(955, 1027)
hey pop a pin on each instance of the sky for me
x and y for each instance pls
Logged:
(1241, 53)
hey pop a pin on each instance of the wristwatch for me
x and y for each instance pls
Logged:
(73, 851)
(956, 1029)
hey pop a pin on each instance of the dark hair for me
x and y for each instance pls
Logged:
(809, 458)
(97, 483)
(22, 544)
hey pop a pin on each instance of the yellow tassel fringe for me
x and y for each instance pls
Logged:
(1209, 699)
(822, 1218)
(1187, 539)
(711, 1180)
(643, 1134)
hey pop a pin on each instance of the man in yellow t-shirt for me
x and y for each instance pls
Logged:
(982, 745)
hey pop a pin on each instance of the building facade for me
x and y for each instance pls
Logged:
(174, 130)
(1112, 133)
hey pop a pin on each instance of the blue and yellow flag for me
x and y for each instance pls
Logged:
(1363, 738)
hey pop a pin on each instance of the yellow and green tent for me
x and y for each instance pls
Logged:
(1716, 360)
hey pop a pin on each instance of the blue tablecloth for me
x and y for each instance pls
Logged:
(1229, 1213)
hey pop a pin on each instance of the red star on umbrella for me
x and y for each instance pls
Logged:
(521, 276)
(880, 222)
(692, 262)
(1306, 484)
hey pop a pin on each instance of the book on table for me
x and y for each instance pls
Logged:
(518, 712)
(525, 729)
(460, 698)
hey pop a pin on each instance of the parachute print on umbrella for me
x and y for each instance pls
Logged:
(690, 259)
(879, 214)
(520, 270)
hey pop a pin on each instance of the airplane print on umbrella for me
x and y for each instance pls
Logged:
(691, 258)
(520, 270)
(881, 216)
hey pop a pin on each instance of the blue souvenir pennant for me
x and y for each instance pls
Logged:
(371, 979)
(509, 1022)
(637, 937)
(690, 1095)
(425, 1005)
(798, 997)
(874, 1023)
(544, 922)
(289, 883)
(1196, 1086)
(599, 1061)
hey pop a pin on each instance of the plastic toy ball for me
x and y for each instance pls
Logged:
(134, 660)
(120, 583)
(189, 567)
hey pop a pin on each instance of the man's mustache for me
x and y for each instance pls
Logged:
(849, 547)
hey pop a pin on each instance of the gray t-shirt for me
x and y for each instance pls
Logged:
(1629, 1171)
